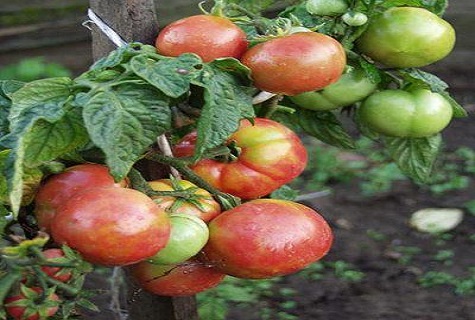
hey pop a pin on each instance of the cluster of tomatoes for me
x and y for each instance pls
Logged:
(177, 240)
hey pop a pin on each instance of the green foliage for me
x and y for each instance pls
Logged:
(33, 69)
(461, 285)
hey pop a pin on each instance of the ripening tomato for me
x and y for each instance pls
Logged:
(270, 155)
(60, 187)
(210, 37)
(295, 63)
(111, 226)
(185, 279)
(265, 238)
(404, 37)
(188, 236)
(24, 305)
(201, 204)
(58, 273)
(409, 114)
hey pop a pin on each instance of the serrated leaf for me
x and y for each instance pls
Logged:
(47, 141)
(124, 121)
(285, 193)
(256, 6)
(7, 88)
(324, 126)
(88, 305)
(171, 75)
(425, 80)
(227, 101)
(117, 57)
(415, 156)
(458, 110)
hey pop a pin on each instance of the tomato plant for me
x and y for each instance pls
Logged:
(111, 226)
(230, 94)
(268, 155)
(399, 113)
(60, 187)
(210, 37)
(58, 273)
(188, 236)
(405, 37)
(295, 63)
(353, 86)
(194, 201)
(29, 304)
(184, 279)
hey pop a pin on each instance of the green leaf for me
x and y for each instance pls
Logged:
(7, 87)
(436, 6)
(47, 141)
(226, 102)
(421, 79)
(124, 121)
(255, 6)
(458, 110)
(415, 156)
(171, 75)
(285, 193)
(88, 305)
(324, 126)
(38, 100)
(4, 220)
(121, 55)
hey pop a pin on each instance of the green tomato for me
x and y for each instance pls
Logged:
(404, 37)
(188, 236)
(354, 19)
(410, 114)
(326, 7)
(353, 86)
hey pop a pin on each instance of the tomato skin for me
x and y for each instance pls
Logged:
(211, 207)
(265, 238)
(184, 279)
(60, 187)
(111, 226)
(188, 236)
(326, 7)
(353, 86)
(411, 114)
(16, 312)
(53, 272)
(271, 156)
(404, 37)
(296, 63)
(210, 37)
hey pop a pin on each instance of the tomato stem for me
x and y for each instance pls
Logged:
(226, 200)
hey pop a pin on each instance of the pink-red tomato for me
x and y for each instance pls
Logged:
(296, 63)
(270, 156)
(57, 273)
(201, 204)
(265, 238)
(188, 278)
(26, 311)
(111, 226)
(60, 187)
(210, 37)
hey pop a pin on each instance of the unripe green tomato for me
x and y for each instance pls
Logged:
(326, 7)
(404, 37)
(354, 19)
(352, 87)
(409, 114)
(188, 236)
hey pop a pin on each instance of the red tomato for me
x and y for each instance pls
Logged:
(202, 206)
(60, 187)
(111, 226)
(265, 238)
(270, 156)
(184, 279)
(57, 273)
(296, 63)
(210, 37)
(49, 305)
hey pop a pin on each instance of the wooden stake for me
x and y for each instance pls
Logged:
(136, 20)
